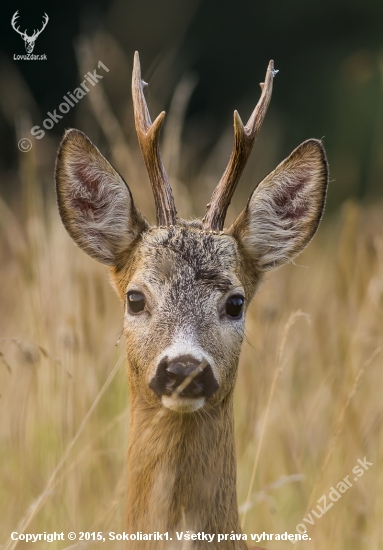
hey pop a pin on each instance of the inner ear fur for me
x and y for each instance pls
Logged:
(95, 204)
(284, 211)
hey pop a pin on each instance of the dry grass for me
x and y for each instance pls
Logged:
(326, 412)
(308, 400)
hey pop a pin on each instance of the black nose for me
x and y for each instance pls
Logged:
(185, 376)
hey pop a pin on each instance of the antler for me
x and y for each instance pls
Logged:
(45, 22)
(148, 137)
(244, 138)
(13, 23)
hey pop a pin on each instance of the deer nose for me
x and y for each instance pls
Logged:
(185, 377)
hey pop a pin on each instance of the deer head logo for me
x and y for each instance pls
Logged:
(28, 40)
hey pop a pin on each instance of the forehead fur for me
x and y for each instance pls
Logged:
(185, 251)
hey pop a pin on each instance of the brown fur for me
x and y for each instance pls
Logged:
(181, 465)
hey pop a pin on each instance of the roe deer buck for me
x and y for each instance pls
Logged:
(185, 286)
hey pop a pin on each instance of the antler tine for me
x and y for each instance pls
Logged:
(45, 23)
(13, 23)
(148, 137)
(244, 138)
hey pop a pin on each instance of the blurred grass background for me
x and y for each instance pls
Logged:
(63, 393)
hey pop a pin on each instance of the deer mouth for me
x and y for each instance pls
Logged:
(183, 404)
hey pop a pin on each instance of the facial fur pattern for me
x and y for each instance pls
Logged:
(186, 276)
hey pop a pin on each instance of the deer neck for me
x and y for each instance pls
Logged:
(182, 471)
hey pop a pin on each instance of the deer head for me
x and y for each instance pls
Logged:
(186, 285)
(29, 40)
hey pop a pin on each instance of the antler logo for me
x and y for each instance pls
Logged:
(28, 40)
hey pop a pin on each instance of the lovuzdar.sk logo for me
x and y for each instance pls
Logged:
(29, 41)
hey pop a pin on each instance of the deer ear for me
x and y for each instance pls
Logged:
(284, 211)
(95, 204)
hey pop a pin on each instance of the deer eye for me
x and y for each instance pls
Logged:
(135, 301)
(234, 306)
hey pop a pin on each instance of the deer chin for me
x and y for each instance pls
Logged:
(183, 404)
